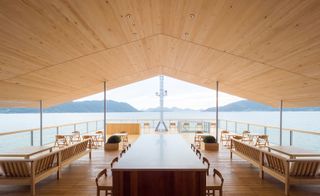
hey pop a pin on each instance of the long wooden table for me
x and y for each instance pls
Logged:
(159, 165)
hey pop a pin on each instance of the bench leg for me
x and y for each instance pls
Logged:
(58, 174)
(33, 189)
(261, 174)
(287, 188)
(230, 155)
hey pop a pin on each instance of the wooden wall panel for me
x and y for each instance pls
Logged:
(130, 128)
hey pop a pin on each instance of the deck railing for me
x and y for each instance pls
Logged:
(292, 137)
(307, 139)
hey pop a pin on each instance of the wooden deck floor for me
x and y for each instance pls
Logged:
(240, 177)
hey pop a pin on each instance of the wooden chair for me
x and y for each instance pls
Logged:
(122, 152)
(93, 143)
(214, 183)
(223, 137)
(104, 183)
(186, 126)
(246, 137)
(61, 141)
(199, 126)
(197, 140)
(172, 125)
(116, 159)
(262, 141)
(128, 146)
(100, 138)
(76, 137)
(198, 153)
(206, 162)
(125, 140)
(193, 147)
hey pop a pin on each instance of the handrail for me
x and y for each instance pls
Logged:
(141, 120)
(49, 127)
(273, 127)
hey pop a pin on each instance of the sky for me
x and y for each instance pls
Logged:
(181, 94)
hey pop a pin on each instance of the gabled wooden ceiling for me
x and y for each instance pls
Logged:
(60, 50)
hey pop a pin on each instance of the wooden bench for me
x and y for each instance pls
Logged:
(29, 171)
(291, 171)
(288, 171)
(246, 151)
(32, 171)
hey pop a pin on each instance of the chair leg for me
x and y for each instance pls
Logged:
(98, 192)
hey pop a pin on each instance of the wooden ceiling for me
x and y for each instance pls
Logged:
(60, 50)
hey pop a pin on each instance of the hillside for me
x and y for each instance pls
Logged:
(74, 107)
(246, 105)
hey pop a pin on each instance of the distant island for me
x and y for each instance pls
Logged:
(77, 107)
(247, 106)
(114, 106)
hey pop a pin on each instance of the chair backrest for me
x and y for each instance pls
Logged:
(44, 163)
(76, 132)
(275, 162)
(193, 147)
(199, 126)
(206, 162)
(99, 132)
(245, 133)
(116, 159)
(59, 137)
(237, 137)
(262, 140)
(304, 168)
(85, 137)
(223, 133)
(217, 172)
(16, 168)
(198, 153)
(100, 174)
(122, 152)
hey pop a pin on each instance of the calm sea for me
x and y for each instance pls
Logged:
(294, 120)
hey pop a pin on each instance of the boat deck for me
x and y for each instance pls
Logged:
(240, 177)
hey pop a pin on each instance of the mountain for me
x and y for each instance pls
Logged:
(246, 105)
(81, 106)
(173, 109)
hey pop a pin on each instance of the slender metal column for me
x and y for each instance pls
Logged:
(41, 135)
(105, 111)
(217, 110)
(281, 108)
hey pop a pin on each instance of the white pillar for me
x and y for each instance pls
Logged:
(105, 111)
(217, 110)
(41, 135)
(281, 108)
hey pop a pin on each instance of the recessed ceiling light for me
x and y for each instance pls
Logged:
(128, 15)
